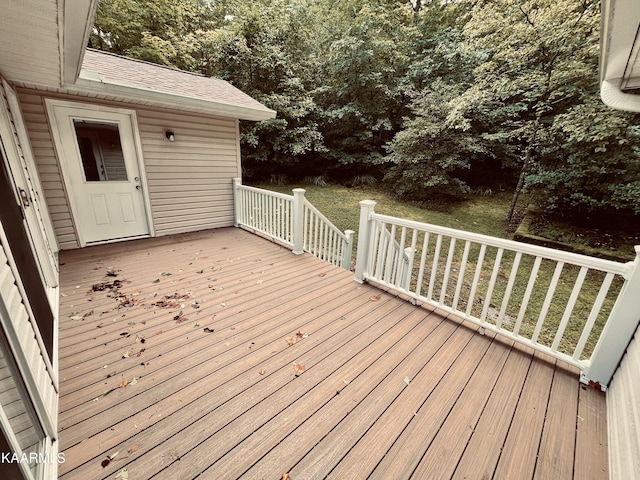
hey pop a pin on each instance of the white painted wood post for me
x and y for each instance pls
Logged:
(348, 250)
(364, 232)
(237, 202)
(298, 221)
(620, 328)
(404, 272)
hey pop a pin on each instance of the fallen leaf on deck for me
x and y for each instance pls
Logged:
(100, 287)
(286, 476)
(261, 372)
(322, 275)
(165, 274)
(127, 354)
(111, 272)
(87, 314)
(123, 474)
(375, 298)
(140, 339)
(123, 384)
(124, 334)
(291, 340)
(158, 332)
(134, 381)
(208, 330)
(132, 449)
(300, 335)
(200, 271)
(141, 352)
(298, 369)
(107, 460)
(407, 380)
(157, 280)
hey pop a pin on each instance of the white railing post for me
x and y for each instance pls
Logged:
(348, 249)
(298, 221)
(237, 202)
(364, 231)
(617, 333)
(405, 272)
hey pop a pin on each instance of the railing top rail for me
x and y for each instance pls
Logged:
(269, 193)
(536, 250)
(328, 222)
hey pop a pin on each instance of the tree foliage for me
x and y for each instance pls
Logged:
(429, 97)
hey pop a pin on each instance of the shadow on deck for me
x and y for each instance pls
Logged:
(220, 354)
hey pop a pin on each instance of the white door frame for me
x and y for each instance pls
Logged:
(86, 110)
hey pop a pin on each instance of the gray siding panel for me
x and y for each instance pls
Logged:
(623, 407)
(189, 180)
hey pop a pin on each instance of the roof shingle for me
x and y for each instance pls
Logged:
(117, 70)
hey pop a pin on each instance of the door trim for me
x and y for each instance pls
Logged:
(86, 110)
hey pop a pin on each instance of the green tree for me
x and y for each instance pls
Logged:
(362, 56)
(158, 31)
(264, 49)
(596, 169)
(541, 59)
(434, 148)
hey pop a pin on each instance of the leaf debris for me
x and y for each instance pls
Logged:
(108, 459)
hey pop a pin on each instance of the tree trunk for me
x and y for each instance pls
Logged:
(519, 186)
(528, 160)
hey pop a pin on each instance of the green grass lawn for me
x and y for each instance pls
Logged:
(479, 214)
(482, 214)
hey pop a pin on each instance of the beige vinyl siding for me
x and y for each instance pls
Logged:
(22, 338)
(37, 126)
(623, 412)
(189, 180)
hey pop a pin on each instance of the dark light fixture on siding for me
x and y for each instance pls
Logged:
(170, 135)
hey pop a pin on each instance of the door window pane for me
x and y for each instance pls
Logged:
(101, 151)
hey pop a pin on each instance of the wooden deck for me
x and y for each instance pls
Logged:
(223, 355)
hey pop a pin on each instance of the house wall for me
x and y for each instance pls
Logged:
(623, 415)
(189, 180)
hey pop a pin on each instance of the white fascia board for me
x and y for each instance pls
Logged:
(87, 84)
(75, 22)
(618, 30)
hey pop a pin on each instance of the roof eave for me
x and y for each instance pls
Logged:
(75, 25)
(86, 84)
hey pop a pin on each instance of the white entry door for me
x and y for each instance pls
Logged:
(100, 161)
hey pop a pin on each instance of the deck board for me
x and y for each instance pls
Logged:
(389, 390)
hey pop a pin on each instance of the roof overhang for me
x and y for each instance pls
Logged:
(620, 54)
(90, 83)
(43, 41)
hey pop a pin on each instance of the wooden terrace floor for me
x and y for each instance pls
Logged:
(222, 355)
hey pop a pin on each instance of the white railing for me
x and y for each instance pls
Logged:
(556, 302)
(293, 221)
